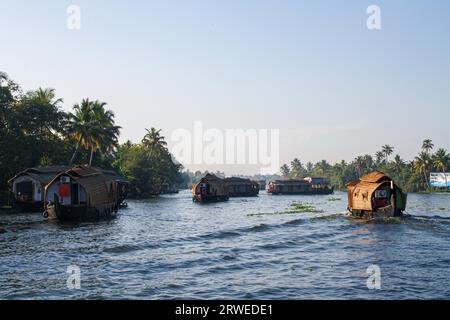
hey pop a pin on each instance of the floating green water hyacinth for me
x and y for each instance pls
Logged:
(295, 207)
(334, 199)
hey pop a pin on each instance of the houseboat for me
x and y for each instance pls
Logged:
(210, 189)
(262, 185)
(83, 193)
(304, 186)
(239, 187)
(28, 187)
(375, 195)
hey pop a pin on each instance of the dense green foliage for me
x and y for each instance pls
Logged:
(148, 165)
(411, 176)
(35, 131)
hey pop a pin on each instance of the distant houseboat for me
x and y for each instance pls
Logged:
(28, 187)
(262, 185)
(83, 193)
(305, 186)
(210, 189)
(239, 187)
(375, 195)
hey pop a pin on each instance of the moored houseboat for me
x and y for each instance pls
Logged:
(375, 195)
(210, 189)
(28, 187)
(83, 193)
(239, 187)
(304, 186)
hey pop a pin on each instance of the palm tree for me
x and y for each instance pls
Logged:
(368, 162)
(309, 167)
(379, 157)
(93, 128)
(441, 160)
(322, 167)
(46, 97)
(285, 171)
(427, 145)
(422, 164)
(387, 150)
(107, 133)
(296, 168)
(359, 165)
(398, 164)
(153, 140)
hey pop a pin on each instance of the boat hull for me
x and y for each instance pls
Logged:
(385, 212)
(80, 213)
(243, 194)
(210, 198)
(28, 207)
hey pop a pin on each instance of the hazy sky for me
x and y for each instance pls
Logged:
(309, 68)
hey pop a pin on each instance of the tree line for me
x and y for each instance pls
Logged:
(35, 131)
(412, 176)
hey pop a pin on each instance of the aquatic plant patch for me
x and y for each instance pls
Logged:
(334, 199)
(295, 207)
(299, 207)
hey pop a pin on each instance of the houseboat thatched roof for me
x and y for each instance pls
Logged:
(360, 192)
(99, 187)
(239, 181)
(291, 181)
(217, 184)
(375, 177)
(42, 174)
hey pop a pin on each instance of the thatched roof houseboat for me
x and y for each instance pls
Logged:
(239, 187)
(210, 189)
(375, 195)
(304, 186)
(28, 187)
(84, 193)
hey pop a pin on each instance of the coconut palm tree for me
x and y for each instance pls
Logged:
(309, 167)
(107, 133)
(379, 157)
(359, 165)
(427, 145)
(387, 150)
(93, 128)
(297, 169)
(368, 163)
(422, 164)
(154, 140)
(398, 164)
(322, 167)
(285, 171)
(441, 160)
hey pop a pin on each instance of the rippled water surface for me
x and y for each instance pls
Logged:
(246, 248)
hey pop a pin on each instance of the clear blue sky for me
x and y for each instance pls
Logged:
(310, 68)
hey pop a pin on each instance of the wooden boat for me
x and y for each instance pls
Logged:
(239, 187)
(83, 193)
(210, 189)
(375, 195)
(28, 187)
(304, 186)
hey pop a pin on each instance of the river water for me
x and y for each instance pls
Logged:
(246, 248)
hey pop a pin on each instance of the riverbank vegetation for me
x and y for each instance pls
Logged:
(36, 131)
(411, 176)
